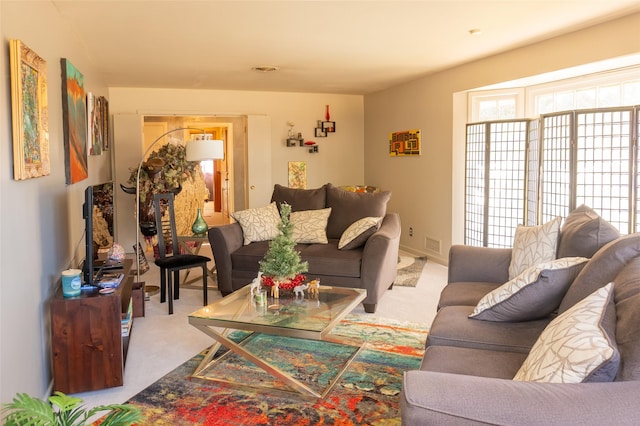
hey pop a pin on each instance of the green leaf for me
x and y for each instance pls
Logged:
(25, 410)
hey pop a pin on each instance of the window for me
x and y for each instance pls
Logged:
(582, 149)
(496, 105)
(531, 171)
(495, 181)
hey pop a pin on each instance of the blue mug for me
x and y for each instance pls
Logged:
(71, 282)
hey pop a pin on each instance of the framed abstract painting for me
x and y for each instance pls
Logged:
(297, 174)
(29, 112)
(74, 120)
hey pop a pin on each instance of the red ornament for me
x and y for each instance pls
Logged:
(326, 114)
(284, 285)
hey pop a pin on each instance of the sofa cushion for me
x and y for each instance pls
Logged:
(300, 199)
(310, 226)
(464, 293)
(246, 258)
(584, 232)
(358, 232)
(326, 259)
(603, 268)
(347, 207)
(533, 245)
(578, 346)
(472, 362)
(258, 224)
(453, 327)
(533, 294)
(627, 298)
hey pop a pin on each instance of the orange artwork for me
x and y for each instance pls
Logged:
(74, 111)
(405, 143)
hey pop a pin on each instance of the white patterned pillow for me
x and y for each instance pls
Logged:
(533, 294)
(358, 232)
(310, 226)
(533, 245)
(259, 224)
(577, 346)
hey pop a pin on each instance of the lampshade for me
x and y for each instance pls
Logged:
(204, 147)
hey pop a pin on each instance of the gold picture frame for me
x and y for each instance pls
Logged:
(29, 112)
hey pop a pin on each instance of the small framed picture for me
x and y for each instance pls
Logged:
(329, 126)
(320, 133)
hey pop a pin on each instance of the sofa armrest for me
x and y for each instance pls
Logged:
(380, 257)
(478, 264)
(446, 399)
(224, 240)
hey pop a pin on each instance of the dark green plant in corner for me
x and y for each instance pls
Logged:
(68, 411)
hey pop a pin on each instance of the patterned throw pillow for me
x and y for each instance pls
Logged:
(310, 226)
(358, 232)
(533, 294)
(259, 224)
(578, 346)
(533, 245)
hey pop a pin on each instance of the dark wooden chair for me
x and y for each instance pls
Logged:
(171, 261)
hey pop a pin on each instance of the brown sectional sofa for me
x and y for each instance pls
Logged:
(371, 266)
(466, 375)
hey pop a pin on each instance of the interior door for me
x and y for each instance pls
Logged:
(259, 160)
(127, 131)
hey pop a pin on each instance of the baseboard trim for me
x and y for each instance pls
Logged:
(429, 256)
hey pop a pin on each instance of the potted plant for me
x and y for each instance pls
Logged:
(64, 410)
(281, 265)
(167, 170)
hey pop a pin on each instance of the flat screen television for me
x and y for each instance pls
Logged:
(97, 212)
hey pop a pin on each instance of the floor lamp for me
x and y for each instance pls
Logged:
(200, 147)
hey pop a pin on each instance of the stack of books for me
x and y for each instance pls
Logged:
(110, 280)
(127, 319)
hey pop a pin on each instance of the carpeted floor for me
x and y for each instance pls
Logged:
(409, 270)
(366, 394)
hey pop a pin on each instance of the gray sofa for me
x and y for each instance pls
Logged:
(371, 265)
(466, 375)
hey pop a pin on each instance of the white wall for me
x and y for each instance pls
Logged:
(40, 219)
(339, 161)
(423, 188)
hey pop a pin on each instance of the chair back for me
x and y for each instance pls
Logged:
(166, 224)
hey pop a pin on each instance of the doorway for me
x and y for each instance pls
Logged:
(219, 175)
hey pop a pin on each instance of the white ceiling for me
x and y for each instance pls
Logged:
(349, 46)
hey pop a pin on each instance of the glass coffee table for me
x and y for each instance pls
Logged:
(308, 317)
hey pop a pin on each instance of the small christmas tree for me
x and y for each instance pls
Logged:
(282, 262)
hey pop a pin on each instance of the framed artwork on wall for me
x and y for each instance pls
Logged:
(405, 143)
(74, 118)
(298, 174)
(98, 123)
(29, 112)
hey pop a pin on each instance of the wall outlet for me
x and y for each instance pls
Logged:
(410, 231)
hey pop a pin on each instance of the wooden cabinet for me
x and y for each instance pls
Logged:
(88, 346)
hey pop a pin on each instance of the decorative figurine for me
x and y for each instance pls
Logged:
(299, 290)
(314, 287)
(255, 284)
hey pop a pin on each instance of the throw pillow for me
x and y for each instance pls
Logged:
(358, 232)
(259, 224)
(310, 226)
(300, 199)
(533, 245)
(348, 207)
(533, 294)
(577, 346)
(584, 232)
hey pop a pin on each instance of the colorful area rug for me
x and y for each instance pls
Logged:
(366, 394)
(409, 270)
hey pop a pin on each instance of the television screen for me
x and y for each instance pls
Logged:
(98, 216)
